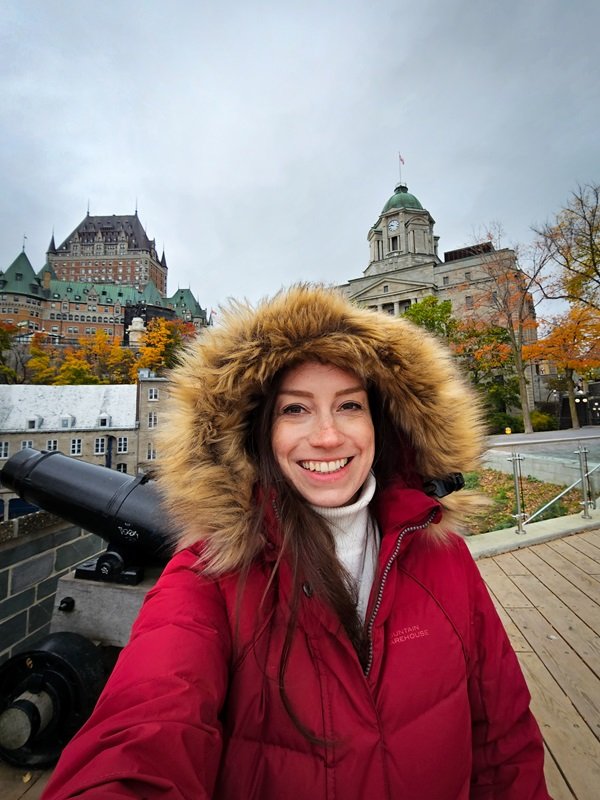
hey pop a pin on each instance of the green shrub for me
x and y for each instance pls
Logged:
(541, 421)
(472, 480)
(499, 421)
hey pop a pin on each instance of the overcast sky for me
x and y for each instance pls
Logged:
(260, 139)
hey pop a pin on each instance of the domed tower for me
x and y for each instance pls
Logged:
(403, 234)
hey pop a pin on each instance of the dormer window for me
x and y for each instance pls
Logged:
(34, 423)
(104, 421)
(67, 421)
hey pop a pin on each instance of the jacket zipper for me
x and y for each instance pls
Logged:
(384, 577)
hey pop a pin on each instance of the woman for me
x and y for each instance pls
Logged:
(320, 633)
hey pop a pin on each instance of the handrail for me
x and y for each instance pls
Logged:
(511, 442)
(558, 496)
(587, 499)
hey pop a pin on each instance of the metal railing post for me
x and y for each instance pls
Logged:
(516, 459)
(586, 493)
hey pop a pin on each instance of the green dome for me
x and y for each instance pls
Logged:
(401, 199)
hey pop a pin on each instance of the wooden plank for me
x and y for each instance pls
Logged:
(593, 537)
(571, 596)
(504, 589)
(575, 678)
(585, 547)
(510, 565)
(557, 785)
(576, 557)
(17, 783)
(518, 641)
(571, 743)
(578, 635)
(578, 577)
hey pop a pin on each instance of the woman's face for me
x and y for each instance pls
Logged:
(322, 433)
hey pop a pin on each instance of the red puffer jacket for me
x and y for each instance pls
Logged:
(192, 709)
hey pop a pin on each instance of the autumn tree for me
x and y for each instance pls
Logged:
(8, 334)
(569, 248)
(75, 370)
(485, 354)
(162, 342)
(44, 361)
(106, 359)
(572, 345)
(505, 299)
(433, 315)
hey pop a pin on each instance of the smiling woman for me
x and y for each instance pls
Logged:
(321, 632)
(322, 433)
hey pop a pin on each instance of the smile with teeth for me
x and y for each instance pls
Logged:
(324, 466)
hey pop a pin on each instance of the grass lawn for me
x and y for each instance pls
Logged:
(500, 489)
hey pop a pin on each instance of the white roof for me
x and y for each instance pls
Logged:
(85, 404)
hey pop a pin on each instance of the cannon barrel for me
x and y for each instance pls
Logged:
(47, 692)
(122, 509)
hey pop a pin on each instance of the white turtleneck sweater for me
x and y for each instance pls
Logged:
(356, 540)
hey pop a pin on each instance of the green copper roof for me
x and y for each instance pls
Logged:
(20, 277)
(401, 199)
(186, 306)
(108, 293)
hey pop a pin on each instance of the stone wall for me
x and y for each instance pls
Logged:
(35, 551)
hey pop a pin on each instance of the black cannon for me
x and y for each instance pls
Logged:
(122, 509)
(48, 691)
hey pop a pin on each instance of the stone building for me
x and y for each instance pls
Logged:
(67, 310)
(109, 249)
(404, 265)
(109, 425)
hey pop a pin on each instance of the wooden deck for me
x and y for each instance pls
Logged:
(548, 596)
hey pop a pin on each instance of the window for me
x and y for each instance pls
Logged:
(52, 445)
(31, 424)
(151, 452)
(468, 301)
(26, 443)
(3, 449)
(100, 446)
(386, 288)
(104, 421)
(467, 276)
(121, 467)
(67, 421)
(152, 419)
(446, 280)
(393, 243)
(75, 447)
(122, 444)
(153, 393)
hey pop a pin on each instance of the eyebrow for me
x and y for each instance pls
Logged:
(302, 393)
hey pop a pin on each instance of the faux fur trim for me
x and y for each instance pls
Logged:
(205, 474)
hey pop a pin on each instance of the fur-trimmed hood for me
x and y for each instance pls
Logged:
(206, 475)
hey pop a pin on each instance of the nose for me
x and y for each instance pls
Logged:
(326, 433)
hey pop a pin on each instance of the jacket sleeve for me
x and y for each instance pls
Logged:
(155, 731)
(508, 753)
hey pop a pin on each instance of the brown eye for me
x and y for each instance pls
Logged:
(351, 405)
(294, 408)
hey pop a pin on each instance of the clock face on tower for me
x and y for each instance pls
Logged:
(393, 225)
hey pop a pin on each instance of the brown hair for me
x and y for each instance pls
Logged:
(312, 558)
